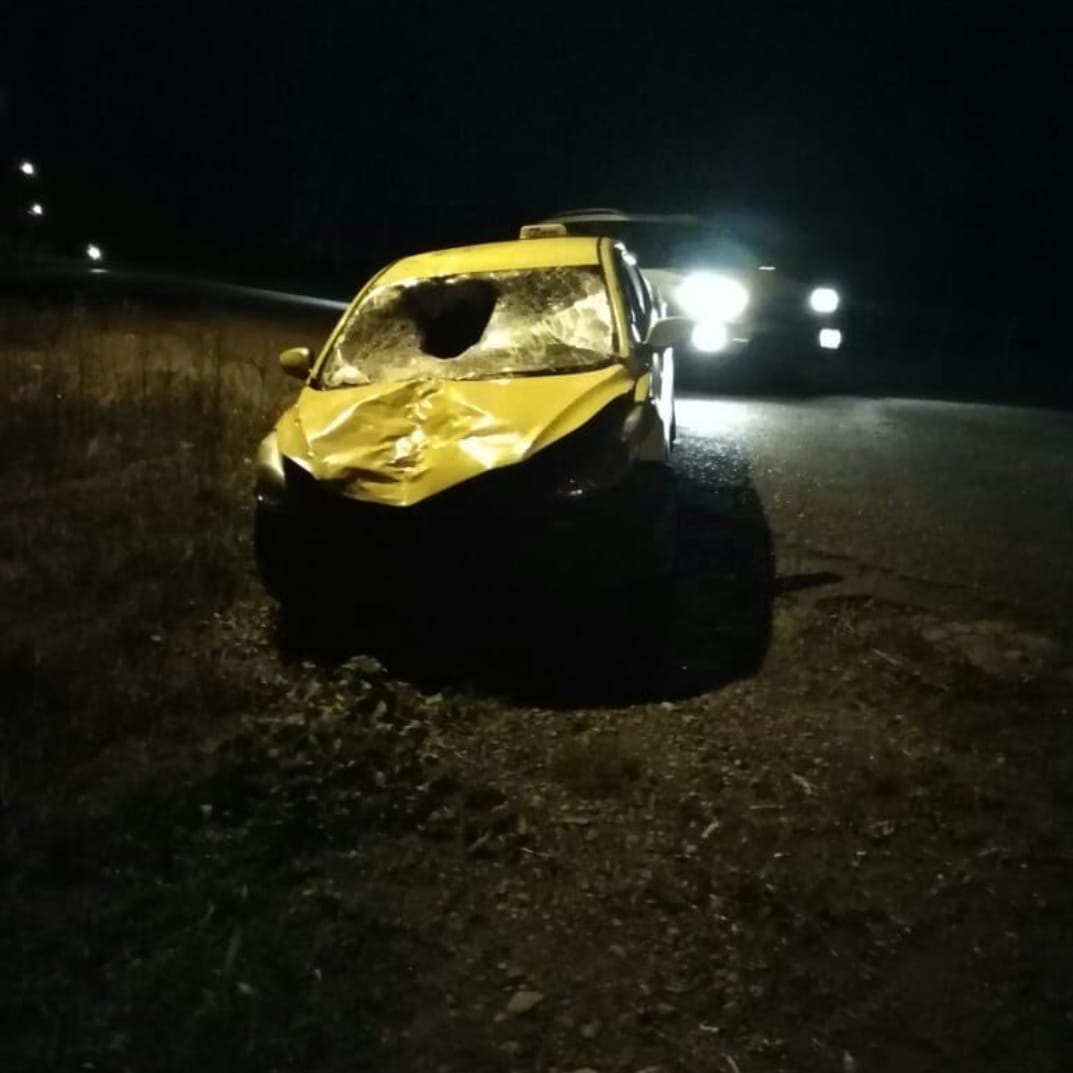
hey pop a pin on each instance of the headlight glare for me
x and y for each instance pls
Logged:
(709, 336)
(707, 296)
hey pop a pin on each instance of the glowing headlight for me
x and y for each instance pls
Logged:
(830, 338)
(823, 300)
(709, 336)
(709, 296)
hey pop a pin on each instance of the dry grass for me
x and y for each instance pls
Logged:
(126, 441)
(89, 390)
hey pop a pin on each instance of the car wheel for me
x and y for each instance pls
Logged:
(275, 553)
(315, 619)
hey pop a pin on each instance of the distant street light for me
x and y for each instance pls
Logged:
(27, 168)
(94, 252)
(37, 209)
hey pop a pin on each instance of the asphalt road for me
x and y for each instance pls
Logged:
(945, 503)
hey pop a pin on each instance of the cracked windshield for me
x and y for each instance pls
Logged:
(535, 552)
(475, 327)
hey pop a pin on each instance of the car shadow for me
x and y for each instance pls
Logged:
(716, 629)
(724, 585)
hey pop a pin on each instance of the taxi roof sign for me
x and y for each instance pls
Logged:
(543, 231)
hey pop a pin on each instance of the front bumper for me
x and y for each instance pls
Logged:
(504, 525)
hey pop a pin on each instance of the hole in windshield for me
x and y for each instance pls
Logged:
(469, 327)
(450, 317)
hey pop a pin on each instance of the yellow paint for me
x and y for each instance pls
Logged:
(495, 257)
(400, 443)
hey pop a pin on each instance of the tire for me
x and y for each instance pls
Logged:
(277, 558)
(316, 619)
(309, 622)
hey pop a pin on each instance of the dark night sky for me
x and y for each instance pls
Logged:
(927, 160)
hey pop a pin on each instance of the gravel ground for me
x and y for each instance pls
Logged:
(857, 859)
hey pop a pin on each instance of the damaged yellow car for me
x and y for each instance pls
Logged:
(495, 415)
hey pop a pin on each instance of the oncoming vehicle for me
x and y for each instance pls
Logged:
(480, 415)
(747, 292)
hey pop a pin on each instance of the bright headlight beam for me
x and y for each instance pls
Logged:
(27, 168)
(94, 252)
(37, 209)
(709, 336)
(830, 338)
(708, 296)
(823, 300)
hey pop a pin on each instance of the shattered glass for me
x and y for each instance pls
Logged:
(474, 327)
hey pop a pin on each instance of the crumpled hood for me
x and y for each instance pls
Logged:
(399, 443)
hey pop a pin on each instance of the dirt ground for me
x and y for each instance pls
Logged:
(836, 837)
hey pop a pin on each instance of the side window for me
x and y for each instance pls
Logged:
(633, 291)
(645, 293)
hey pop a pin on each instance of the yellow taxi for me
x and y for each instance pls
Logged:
(489, 415)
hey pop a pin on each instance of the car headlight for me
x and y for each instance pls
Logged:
(830, 338)
(709, 296)
(823, 300)
(269, 478)
(709, 336)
